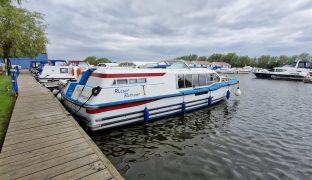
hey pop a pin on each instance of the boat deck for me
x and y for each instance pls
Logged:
(43, 140)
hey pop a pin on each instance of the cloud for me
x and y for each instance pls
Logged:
(149, 30)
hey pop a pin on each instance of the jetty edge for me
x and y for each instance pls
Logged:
(44, 141)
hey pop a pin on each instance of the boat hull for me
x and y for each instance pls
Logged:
(279, 76)
(135, 112)
(53, 82)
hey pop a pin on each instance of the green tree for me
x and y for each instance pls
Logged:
(191, 57)
(202, 58)
(8, 2)
(91, 60)
(103, 60)
(305, 56)
(230, 58)
(283, 60)
(215, 57)
(22, 33)
(242, 61)
(94, 61)
(263, 61)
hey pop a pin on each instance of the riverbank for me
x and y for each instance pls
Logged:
(6, 105)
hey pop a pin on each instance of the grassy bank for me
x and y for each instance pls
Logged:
(6, 105)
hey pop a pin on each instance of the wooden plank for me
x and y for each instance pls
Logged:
(38, 108)
(39, 121)
(24, 117)
(27, 104)
(26, 155)
(39, 141)
(82, 171)
(104, 175)
(19, 139)
(43, 134)
(48, 166)
(15, 151)
(17, 127)
(57, 170)
(40, 158)
(40, 128)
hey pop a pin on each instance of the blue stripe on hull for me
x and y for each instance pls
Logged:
(140, 117)
(213, 87)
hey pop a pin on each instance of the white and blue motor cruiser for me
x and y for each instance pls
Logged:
(109, 97)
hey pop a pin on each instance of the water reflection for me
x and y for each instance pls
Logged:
(140, 142)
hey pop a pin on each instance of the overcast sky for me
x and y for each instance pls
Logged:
(158, 29)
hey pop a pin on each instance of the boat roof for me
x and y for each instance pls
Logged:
(134, 71)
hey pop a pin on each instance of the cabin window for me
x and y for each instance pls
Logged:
(122, 81)
(301, 65)
(129, 81)
(181, 81)
(142, 80)
(216, 78)
(195, 80)
(133, 81)
(63, 70)
(188, 80)
(209, 78)
(202, 79)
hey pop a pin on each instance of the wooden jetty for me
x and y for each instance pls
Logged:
(43, 140)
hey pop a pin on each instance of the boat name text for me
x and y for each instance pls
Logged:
(126, 93)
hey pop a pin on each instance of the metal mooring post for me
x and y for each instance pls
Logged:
(14, 82)
(17, 71)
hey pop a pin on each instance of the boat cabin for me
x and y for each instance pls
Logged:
(300, 64)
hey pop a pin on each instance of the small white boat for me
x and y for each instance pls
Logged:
(296, 71)
(226, 71)
(51, 75)
(109, 97)
(244, 70)
(51, 72)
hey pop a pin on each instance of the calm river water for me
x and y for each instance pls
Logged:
(264, 134)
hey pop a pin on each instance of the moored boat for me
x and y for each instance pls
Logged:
(297, 70)
(226, 71)
(55, 70)
(51, 73)
(244, 70)
(106, 98)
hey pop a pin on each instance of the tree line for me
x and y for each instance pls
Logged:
(264, 61)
